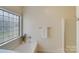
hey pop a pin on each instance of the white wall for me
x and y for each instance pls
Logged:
(77, 28)
(15, 9)
(35, 17)
(77, 32)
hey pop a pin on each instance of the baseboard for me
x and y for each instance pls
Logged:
(70, 49)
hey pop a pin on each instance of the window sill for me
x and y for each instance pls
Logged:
(1, 44)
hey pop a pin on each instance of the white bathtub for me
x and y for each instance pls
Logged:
(6, 51)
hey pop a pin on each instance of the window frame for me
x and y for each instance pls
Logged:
(19, 24)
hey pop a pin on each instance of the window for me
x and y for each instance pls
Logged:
(9, 26)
